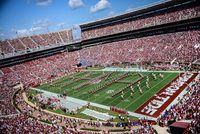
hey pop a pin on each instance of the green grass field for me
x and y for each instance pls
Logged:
(81, 84)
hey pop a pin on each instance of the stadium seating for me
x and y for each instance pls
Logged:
(66, 36)
(32, 73)
(6, 106)
(23, 124)
(29, 42)
(39, 40)
(35, 42)
(157, 19)
(17, 44)
(37, 71)
(6, 47)
(186, 109)
(157, 48)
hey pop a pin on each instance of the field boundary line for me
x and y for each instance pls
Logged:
(148, 71)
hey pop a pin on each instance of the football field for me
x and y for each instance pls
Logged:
(126, 90)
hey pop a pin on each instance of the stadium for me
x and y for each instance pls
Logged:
(133, 73)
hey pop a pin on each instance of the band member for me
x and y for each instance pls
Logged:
(147, 78)
(132, 90)
(140, 89)
(147, 84)
(122, 96)
(138, 85)
(161, 75)
(154, 76)
(139, 82)
(132, 95)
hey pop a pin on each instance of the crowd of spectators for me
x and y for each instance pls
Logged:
(22, 124)
(187, 108)
(32, 73)
(6, 99)
(40, 70)
(6, 47)
(157, 19)
(35, 41)
(29, 42)
(17, 44)
(173, 47)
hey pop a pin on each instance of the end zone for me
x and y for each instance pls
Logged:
(160, 101)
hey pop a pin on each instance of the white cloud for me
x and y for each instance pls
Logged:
(129, 9)
(42, 23)
(43, 2)
(75, 3)
(111, 13)
(13, 30)
(34, 29)
(23, 32)
(27, 32)
(101, 5)
(61, 24)
(37, 26)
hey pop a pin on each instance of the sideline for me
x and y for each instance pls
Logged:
(91, 103)
(117, 69)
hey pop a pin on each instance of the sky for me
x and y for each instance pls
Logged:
(28, 17)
